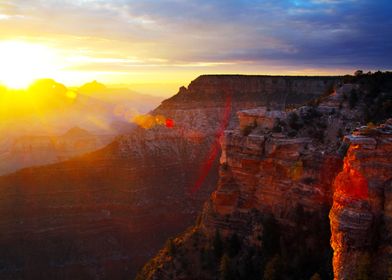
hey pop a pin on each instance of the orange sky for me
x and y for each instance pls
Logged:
(25, 60)
(156, 47)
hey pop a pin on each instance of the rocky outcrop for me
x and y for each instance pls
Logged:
(272, 189)
(268, 217)
(104, 214)
(360, 215)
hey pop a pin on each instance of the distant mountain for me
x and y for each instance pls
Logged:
(31, 150)
(92, 87)
(141, 103)
(77, 132)
(49, 108)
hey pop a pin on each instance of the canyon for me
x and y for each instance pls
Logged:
(49, 122)
(103, 214)
(33, 150)
(302, 194)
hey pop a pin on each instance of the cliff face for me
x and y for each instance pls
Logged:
(271, 91)
(360, 215)
(268, 217)
(104, 214)
(272, 196)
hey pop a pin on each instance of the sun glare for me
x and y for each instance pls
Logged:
(21, 63)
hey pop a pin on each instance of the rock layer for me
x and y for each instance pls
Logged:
(268, 217)
(264, 176)
(360, 213)
(104, 214)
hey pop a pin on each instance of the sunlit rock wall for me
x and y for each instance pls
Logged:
(360, 216)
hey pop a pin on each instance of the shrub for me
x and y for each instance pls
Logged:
(277, 128)
(294, 121)
(309, 115)
(279, 125)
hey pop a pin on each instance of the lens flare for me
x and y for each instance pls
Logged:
(215, 148)
(169, 123)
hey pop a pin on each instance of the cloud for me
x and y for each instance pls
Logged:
(316, 33)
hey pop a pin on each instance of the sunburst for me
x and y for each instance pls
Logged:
(22, 62)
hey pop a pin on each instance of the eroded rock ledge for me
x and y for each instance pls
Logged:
(361, 212)
(104, 214)
(268, 216)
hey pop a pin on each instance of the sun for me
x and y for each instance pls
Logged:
(21, 63)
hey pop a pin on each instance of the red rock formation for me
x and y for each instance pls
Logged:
(263, 174)
(284, 169)
(271, 172)
(112, 209)
(361, 205)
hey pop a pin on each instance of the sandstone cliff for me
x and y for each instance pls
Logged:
(104, 214)
(268, 217)
(360, 215)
